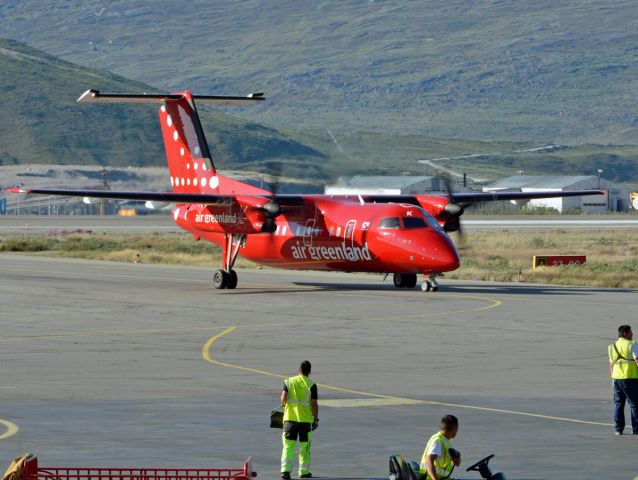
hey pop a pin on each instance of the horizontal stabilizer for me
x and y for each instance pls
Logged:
(94, 96)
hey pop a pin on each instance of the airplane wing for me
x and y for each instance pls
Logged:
(172, 197)
(291, 199)
(478, 197)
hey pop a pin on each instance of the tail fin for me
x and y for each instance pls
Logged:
(189, 161)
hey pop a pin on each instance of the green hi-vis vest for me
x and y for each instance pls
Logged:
(443, 464)
(298, 408)
(622, 359)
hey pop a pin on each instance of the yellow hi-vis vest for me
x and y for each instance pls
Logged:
(622, 359)
(298, 408)
(443, 465)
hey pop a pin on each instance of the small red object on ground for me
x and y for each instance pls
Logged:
(32, 471)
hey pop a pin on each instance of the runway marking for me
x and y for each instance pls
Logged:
(11, 427)
(367, 402)
(341, 320)
(208, 346)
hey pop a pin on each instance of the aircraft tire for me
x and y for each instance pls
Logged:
(426, 286)
(232, 280)
(221, 280)
(399, 280)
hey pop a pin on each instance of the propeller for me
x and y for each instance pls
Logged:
(272, 208)
(453, 210)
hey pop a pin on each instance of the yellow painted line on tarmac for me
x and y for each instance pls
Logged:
(571, 301)
(207, 355)
(11, 429)
(367, 402)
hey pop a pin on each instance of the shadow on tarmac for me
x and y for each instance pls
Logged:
(470, 288)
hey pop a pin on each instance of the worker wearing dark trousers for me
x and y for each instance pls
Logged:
(301, 417)
(623, 366)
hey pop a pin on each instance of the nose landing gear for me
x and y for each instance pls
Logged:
(430, 283)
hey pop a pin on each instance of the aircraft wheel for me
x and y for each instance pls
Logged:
(426, 286)
(221, 280)
(435, 288)
(410, 280)
(232, 281)
(399, 280)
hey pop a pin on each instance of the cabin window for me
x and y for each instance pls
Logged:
(410, 223)
(390, 223)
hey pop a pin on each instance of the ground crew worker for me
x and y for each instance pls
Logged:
(439, 458)
(301, 417)
(623, 366)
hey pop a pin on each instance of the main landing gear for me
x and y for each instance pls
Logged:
(408, 280)
(404, 280)
(226, 278)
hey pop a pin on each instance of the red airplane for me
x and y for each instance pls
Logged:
(400, 234)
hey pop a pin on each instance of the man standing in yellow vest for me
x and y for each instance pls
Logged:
(301, 417)
(439, 458)
(623, 366)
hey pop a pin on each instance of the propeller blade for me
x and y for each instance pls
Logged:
(453, 209)
(272, 209)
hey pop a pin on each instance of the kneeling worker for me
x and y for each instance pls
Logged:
(439, 458)
(301, 415)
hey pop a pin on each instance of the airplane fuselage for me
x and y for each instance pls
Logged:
(326, 234)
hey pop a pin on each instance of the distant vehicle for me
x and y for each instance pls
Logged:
(400, 234)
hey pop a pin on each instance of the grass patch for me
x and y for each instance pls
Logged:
(612, 255)
(167, 248)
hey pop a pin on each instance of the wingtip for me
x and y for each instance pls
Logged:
(88, 95)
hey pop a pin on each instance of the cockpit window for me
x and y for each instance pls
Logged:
(410, 223)
(390, 222)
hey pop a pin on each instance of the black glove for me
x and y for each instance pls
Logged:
(315, 424)
(454, 453)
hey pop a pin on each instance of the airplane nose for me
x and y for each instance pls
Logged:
(445, 256)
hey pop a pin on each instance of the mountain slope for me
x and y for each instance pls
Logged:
(540, 71)
(41, 123)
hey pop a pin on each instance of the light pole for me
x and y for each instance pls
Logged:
(599, 172)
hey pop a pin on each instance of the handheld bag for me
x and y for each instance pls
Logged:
(277, 418)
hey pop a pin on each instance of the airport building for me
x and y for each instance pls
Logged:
(616, 198)
(383, 185)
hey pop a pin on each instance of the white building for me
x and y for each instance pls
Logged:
(382, 185)
(616, 198)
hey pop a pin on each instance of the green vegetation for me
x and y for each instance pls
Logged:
(541, 71)
(41, 123)
(612, 255)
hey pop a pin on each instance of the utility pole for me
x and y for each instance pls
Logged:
(105, 186)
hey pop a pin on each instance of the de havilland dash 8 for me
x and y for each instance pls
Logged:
(404, 235)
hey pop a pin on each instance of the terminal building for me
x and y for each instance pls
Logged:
(616, 198)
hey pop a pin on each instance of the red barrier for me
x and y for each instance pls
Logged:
(557, 260)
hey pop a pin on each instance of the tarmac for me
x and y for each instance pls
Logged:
(107, 364)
